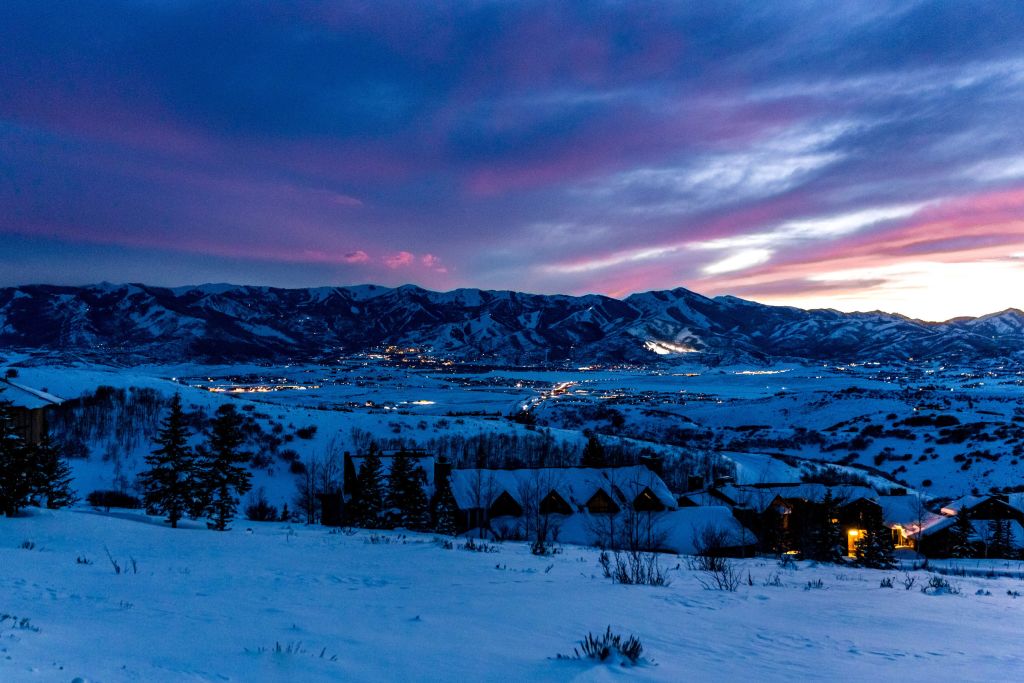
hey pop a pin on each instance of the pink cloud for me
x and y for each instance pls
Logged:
(359, 256)
(400, 260)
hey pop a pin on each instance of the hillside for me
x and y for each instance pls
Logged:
(192, 604)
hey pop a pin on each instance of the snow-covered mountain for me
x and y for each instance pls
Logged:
(138, 323)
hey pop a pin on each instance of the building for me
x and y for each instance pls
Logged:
(30, 406)
(937, 536)
(485, 496)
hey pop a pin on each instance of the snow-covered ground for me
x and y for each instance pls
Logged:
(204, 606)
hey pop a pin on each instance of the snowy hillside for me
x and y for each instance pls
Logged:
(289, 604)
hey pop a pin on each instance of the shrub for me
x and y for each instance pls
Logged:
(720, 575)
(939, 586)
(259, 508)
(478, 547)
(113, 499)
(609, 648)
(20, 624)
(27, 545)
(633, 568)
(885, 583)
(814, 585)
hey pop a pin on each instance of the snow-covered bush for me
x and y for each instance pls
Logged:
(609, 648)
(939, 586)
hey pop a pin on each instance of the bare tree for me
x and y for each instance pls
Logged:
(305, 500)
(330, 473)
(539, 526)
(482, 491)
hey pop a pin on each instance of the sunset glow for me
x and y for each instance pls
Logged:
(868, 159)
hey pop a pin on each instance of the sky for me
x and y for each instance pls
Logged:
(851, 155)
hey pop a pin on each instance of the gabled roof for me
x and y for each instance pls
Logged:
(760, 497)
(954, 507)
(702, 499)
(475, 488)
(980, 529)
(26, 397)
(906, 510)
(1013, 500)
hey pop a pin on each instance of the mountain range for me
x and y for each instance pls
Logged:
(136, 323)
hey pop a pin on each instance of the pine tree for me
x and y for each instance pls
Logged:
(775, 536)
(18, 469)
(874, 548)
(367, 505)
(960, 544)
(168, 481)
(593, 453)
(1000, 541)
(398, 490)
(445, 507)
(225, 475)
(54, 476)
(826, 540)
(417, 511)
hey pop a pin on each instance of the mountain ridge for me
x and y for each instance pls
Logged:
(219, 322)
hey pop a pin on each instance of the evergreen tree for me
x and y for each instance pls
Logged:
(398, 490)
(225, 475)
(775, 536)
(874, 548)
(826, 538)
(18, 469)
(445, 507)
(593, 453)
(367, 505)
(960, 535)
(417, 511)
(1000, 538)
(54, 476)
(406, 498)
(168, 481)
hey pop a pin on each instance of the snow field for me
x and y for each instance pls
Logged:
(206, 606)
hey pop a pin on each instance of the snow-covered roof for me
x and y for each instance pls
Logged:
(906, 510)
(702, 499)
(681, 529)
(981, 529)
(26, 397)
(1014, 500)
(474, 488)
(954, 507)
(760, 497)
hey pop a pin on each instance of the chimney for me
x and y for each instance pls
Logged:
(442, 469)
